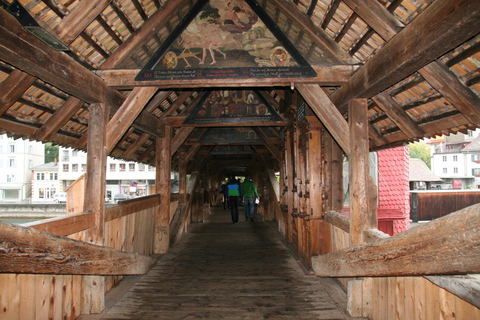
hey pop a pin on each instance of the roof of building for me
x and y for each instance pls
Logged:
(50, 166)
(473, 146)
(419, 171)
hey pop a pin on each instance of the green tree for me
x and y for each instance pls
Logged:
(421, 151)
(51, 152)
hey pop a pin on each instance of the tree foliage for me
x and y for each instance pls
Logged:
(51, 152)
(421, 151)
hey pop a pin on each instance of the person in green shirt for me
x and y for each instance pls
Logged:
(249, 192)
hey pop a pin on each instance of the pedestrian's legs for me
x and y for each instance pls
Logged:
(251, 208)
(234, 208)
(245, 203)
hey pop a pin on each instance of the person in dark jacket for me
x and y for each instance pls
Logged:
(234, 195)
(224, 192)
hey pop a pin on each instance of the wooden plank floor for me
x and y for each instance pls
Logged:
(221, 270)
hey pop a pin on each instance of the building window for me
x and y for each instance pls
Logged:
(12, 148)
(66, 156)
(113, 167)
(122, 166)
(66, 168)
(84, 167)
(455, 158)
(40, 176)
(11, 163)
(41, 193)
(475, 172)
(74, 153)
(444, 170)
(141, 167)
(475, 157)
(74, 167)
(151, 168)
(444, 158)
(10, 178)
(53, 176)
(131, 167)
(455, 170)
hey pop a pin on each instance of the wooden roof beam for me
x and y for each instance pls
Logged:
(58, 119)
(444, 25)
(317, 34)
(24, 51)
(136, 145)
(376, 16)
(463, 98)
(395, 112)
(270, 145)
(326, 111)
(147, 30)
(126, 115)
(84, 13)
(13, 88)
(336, 75)
(180, 137)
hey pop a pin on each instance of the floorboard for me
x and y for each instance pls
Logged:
(221, 270)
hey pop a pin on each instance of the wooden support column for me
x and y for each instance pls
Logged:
(93, 287)
(358, 177)
(162, 187)
(289, 191)
(358, 169)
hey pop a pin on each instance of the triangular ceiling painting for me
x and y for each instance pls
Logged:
(232, 106)
(238, 135)
(221, 39)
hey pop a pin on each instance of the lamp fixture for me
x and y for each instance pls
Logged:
(26, 20)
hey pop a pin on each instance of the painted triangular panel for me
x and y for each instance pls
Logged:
(240, 135)
(221, 39)
(232, 106)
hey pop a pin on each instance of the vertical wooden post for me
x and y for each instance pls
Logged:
(93, 287)
(162, 187)
(289, 176)
(358, 177)
(337, 177)
(182, 177)
(358, 169)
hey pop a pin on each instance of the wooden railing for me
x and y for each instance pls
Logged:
(407, 297)
(129, 228)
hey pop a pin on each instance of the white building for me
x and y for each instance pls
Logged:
(17, 157)
(132, 178)
(45, 182)
(456, 161)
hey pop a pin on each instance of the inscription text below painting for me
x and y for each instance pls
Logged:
(221, 39)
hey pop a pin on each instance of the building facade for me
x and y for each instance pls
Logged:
(456, 160)
(45, 183)
(131, 178)
(17, 157)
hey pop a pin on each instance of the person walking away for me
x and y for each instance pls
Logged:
(249, 192)
(224, 192)
(234, 194)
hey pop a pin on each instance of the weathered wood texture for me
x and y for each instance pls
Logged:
(128, 228)
(448, 245)
(432, 205)
(221, 270)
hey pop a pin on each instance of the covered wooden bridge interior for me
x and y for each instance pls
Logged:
(334, 80)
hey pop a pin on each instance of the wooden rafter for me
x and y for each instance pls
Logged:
(395, 112)
(316, 33)
(462, 97)
(147, 30)
(180, 137)
(126, 114)
(84, 13)
(444, 25)
(13, 88)
(59, 118)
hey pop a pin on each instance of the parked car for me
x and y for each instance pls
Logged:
(60, 197)
(121, 197)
